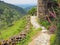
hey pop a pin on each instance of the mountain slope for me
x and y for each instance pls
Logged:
(21, 10)
(9, 14)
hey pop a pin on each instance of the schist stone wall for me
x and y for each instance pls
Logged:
(42, 8)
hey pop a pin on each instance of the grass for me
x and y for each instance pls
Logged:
(29, 36)
(52, 39)
(44, 23)
(14, 30)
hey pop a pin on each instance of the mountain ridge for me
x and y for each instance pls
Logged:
(9, 14)
(19, 9)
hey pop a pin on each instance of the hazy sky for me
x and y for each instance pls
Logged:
(21, 1)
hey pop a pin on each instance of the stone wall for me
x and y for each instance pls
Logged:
(42, 8)
(17, 38)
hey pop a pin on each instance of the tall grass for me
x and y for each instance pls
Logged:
(13, 30)
(53, 39)
(29, 36)
(44, 23)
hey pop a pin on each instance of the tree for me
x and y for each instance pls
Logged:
(32, 11)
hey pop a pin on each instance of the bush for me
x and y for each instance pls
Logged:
(52, 39)
(44, 23)
(29, 36)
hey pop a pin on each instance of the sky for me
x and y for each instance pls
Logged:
(21, 1)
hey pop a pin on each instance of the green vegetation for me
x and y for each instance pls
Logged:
(32, 11)
(9, 14)
(57, 42)
(12, 23)
(53, 39)
(58, 32)
(29, 36)
(44, 23)
(13, 30)
(19, 9)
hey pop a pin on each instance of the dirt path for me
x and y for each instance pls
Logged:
(34, 22)
(43, 38)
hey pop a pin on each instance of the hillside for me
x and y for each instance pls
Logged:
(9, 14)
(21, 10)
(30, 7)
(30, 26)
(27, 7)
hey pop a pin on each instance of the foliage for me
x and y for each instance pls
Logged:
(58, 26)
(9, 14)
(29, 36)
(19, 9)
(32, 11)
(52, 39)
(44, 23)
(56, 39)
(13, 30)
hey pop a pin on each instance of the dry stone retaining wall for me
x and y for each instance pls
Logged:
(15, 39)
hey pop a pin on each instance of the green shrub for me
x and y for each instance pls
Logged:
(44, 23)
(29, 36)
(52, 39)
(14, 30)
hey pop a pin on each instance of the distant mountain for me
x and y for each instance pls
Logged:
(30, 7)
(27, 6)
(19, 9)
(9, 13)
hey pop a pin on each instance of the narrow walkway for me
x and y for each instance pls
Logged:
(43, 38)
(34, 22)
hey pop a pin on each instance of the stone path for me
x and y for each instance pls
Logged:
(34, 22)
(43, 38)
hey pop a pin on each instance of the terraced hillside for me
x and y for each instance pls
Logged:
(12, 20)
(13, 30)
(9, 14)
